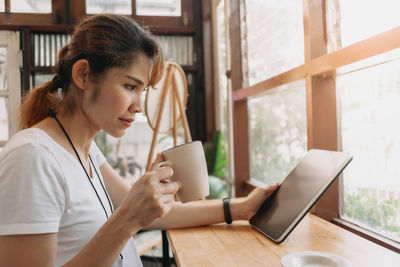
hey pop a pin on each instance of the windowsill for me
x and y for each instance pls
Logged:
(367, 234)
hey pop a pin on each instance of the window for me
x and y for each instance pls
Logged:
(106, 6)
(277, 132)
(10, 94)
(4, 129)
(374, 17)
(337, 80)
(223, 95)
(4, 117)
(28, 6)
(45, 47)
(370, 97)
(171, 8)
(275, 41)
(223, 61)
(177, 48)
(2, 7)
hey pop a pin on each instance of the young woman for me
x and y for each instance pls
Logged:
(60, 202)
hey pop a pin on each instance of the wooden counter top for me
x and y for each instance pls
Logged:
(241, 245)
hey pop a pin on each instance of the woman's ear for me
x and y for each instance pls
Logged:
(80, 73)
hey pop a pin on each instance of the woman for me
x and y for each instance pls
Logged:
(57, 192)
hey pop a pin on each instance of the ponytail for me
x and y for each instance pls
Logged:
(36, 103)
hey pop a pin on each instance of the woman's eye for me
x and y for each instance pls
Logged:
(130, 87)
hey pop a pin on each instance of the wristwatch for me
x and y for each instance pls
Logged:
(227, 210)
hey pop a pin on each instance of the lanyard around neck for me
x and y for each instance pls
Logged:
(52, 114)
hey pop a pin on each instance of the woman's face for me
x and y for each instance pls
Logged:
(114, 100)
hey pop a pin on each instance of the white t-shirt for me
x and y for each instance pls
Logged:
(44, 189)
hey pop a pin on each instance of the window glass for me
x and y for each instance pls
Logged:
(40, 78)
(29, 6)
(46, 47)
(274, 37)
(2, 7)
(3, 70)
(107, 6)
(177, 48)
(170, 8)
(4, 129)
(370, 108)
(222, 63)
(361, 19)
(277, 132)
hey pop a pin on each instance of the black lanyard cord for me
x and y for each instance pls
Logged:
(52, 114)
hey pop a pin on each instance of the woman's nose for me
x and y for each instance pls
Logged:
(136, 105)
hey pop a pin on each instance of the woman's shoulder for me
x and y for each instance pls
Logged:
(27, 139)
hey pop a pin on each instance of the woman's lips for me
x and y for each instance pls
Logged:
(126, 122)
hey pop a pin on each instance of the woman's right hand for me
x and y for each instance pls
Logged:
(150, 197)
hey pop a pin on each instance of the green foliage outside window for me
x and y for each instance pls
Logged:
(375, 209)
(217, 161)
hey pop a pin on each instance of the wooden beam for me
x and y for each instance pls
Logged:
(209, 85)
(7, 7)
(26, 60)
(320, 100)
(58, 11)
(78, 10)
(26, 19)
(240, 119)
(327, 64)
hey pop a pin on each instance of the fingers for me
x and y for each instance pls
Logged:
(165, 199)
(170, 188)
(271, 189)
(159, 158)
(162, 164)
(160, 176)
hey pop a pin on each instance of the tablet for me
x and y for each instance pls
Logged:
(305, 184)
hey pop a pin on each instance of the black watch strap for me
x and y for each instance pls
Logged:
(227, 210)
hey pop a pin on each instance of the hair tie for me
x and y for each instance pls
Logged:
(51, 112)
(57, 83)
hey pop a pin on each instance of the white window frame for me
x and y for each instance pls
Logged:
(11, 40)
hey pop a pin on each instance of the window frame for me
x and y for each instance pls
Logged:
(321, 103)
(13, 79)
(62, 13)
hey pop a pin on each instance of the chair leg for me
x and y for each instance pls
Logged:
(165, 247)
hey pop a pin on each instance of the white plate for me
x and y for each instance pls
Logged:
(314, 259)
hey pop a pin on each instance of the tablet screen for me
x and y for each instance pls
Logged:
(305, 184)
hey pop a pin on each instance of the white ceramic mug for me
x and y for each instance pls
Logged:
(190, 169)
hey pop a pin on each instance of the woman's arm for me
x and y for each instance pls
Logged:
(39, 250)
(205, 212)
(35, 250)
(146, 201)
(195, 213)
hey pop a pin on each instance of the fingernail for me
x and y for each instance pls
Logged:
(168, 163)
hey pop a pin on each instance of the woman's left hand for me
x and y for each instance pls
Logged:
(245, 208)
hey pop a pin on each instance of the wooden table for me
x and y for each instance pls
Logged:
(240, 245)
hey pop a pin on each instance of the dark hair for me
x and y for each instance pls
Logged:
(106, 41)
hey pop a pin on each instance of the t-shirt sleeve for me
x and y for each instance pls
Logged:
(97, 154)
(32, 191)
